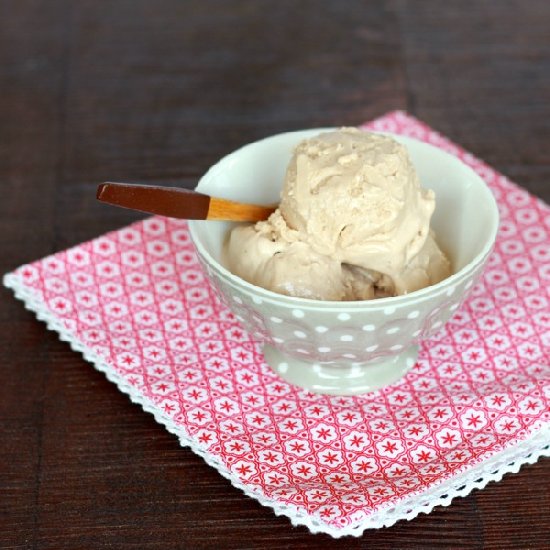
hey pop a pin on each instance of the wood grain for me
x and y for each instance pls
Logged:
(158, 91)
(223, 209)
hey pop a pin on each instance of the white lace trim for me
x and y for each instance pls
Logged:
(509, 460)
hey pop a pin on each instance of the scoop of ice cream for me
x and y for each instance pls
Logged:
(353, 223)
(273, 256)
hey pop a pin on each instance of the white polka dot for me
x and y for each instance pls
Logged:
(346, 338)
(344, 316)
(237, 299)
(454, 306)
(393, 330)
(278, 340)
(413, 314)
(389, 310)
(299, 334)
(468, 284)
(410, 362)
(349, 356)
(397, 347)
(298, 313)
(303, 351)
(276, 319)
(416, 333)
(372, 348)
(323, 349)
(239, 317)
(321, 329)
(451, 291)
(257, 300)
(282, 367)
(437, 324)
(368, 328)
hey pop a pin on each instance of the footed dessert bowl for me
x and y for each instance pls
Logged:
(352, 347)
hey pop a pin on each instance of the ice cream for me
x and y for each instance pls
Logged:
(353, 224)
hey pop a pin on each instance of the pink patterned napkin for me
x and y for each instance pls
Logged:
(136, 303)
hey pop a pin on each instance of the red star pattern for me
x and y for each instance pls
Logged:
(423, 456)
(449, 438)
(356, 441)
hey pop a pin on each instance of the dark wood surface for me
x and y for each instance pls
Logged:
(156, 91)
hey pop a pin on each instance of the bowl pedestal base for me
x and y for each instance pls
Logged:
(341, 379)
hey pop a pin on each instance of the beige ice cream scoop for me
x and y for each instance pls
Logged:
(353, 224)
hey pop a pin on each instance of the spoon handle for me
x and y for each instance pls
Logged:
(180, 203)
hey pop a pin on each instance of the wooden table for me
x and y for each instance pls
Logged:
(158, 91)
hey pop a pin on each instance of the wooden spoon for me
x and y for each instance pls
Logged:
(175, 202)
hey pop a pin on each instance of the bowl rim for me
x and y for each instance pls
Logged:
(378, 303)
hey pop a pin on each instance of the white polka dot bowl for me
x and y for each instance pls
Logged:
(348, 348)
